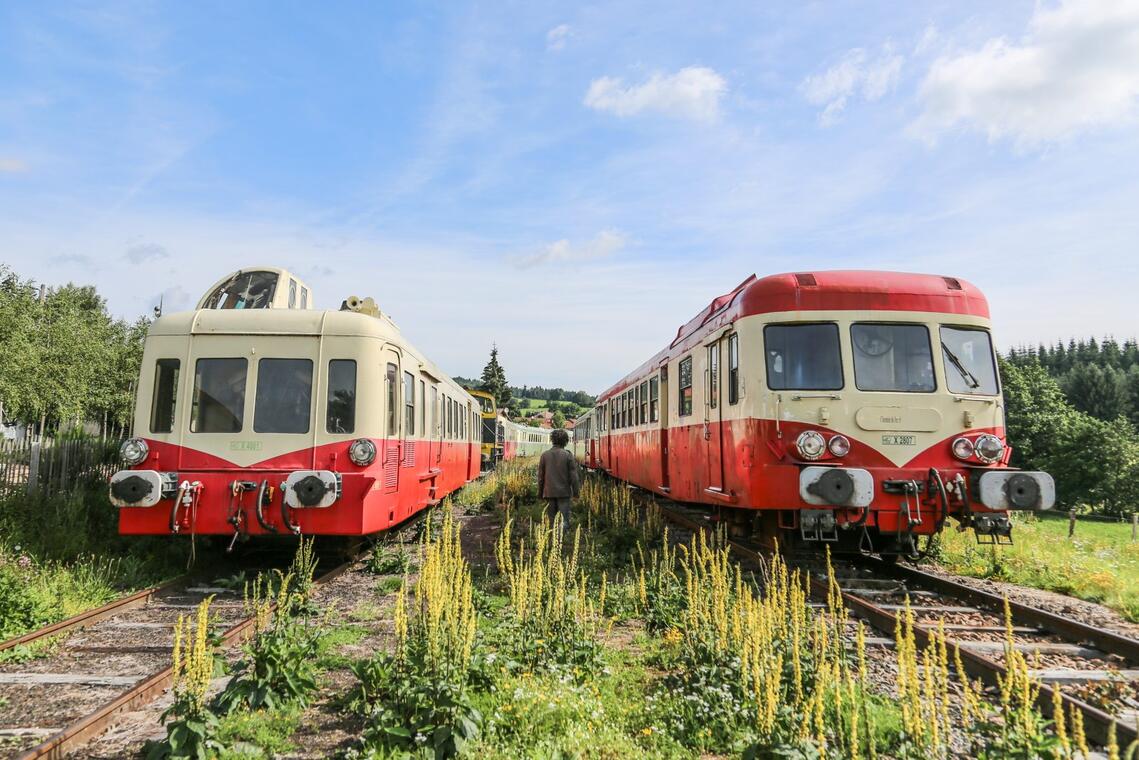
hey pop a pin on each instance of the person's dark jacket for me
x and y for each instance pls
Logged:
(558, 476)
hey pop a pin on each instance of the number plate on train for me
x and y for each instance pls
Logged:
(899, 440)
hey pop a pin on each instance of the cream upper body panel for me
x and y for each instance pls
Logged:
(898, 424)
(427, 403)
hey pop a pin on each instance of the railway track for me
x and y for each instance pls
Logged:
(111, 660)
(1070, 653)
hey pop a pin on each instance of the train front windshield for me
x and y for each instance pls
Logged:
(245, 290)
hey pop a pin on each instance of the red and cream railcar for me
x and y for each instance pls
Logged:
(859, 407)
(522, 440)
(257, 415)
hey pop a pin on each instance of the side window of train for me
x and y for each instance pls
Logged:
(733, 368)
(340, 415)
(654, 399)
(390, 395)
(409, 404)
(423, 410)
(684, 389)
(218, 403)
(165, 399)
(434, 410)
(304, 298)
(714, 375)
(645, 401)
(803, 357)
(292, 295)
(283, 403)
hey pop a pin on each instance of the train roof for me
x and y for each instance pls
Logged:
(835, 290)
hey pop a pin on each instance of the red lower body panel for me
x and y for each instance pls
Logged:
(405, 478)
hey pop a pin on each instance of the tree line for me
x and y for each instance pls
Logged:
(1073, 411)
(64, 359)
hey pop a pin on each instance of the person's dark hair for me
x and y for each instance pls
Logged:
(559, 438)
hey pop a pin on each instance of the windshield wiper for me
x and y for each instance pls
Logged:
(970, 379)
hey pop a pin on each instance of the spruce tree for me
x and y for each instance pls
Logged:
(494, 380)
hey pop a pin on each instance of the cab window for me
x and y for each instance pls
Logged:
(166, 373)
(390, 392)
(219, 396)
(803, 357)
(733, 368)
(684, 392)
(968, 357)
(245, 290)
(340, 414)
(284, 396)
(891, 357)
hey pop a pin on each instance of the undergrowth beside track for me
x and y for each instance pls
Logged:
(61, 555)
(1099, 563)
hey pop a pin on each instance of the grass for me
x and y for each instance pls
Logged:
(62, 555)
(1099, 564)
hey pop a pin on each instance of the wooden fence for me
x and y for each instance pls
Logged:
(56, 466)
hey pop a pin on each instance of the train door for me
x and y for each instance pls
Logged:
(392, 444)
(468, 426)
(713, 416)
(663, 396)
(608, 441)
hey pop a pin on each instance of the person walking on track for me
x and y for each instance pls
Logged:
(559, 481)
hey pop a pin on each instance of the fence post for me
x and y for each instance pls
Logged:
(1071, 523)
(34, 467)
(1134, 527)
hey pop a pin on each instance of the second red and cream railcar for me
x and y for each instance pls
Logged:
(257, 415)
(855, 407)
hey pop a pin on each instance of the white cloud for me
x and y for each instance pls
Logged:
(12, 166)
(142, 252)
(605, 244)
(693, 93)
(557, 37)
(1075, 69)
(855, 74)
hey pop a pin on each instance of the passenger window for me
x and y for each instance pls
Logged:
(165, 399)
(714, 375)
(645, 402)
(292, 304)
(892, 358)
(684, 396)
(733, 368)
(654, 399)
(219, 396)
(423, 409)
(304, 298)
(284, 396)
(409, 404)
(390, 380)
(803, 357)
(340, 416)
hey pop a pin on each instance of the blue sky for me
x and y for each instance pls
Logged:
(573, 182)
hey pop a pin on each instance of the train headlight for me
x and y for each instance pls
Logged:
(989, 448)
(362, 452)
(133, 451)
(811, 445)
(839, 445)
(963, 449)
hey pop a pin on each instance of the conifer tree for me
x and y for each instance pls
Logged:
(494, 380)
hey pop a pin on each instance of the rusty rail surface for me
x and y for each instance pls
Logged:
(95, 723)
(90, 617)
(1097, 723)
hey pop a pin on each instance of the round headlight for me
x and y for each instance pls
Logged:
(811, 444)
(839, 445)
(362, 452)
(134, 451)
(963, 448)
(989, 448)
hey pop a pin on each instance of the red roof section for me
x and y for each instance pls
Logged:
(838, 290)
